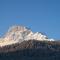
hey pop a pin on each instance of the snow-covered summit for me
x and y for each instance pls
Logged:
(23, 33)
(20, 33)
(17, 33)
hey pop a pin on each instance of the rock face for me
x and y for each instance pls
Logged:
(21, 33)
(32, 44)
(31, 50)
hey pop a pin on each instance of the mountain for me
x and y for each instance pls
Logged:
(18, 34)
(20, 43)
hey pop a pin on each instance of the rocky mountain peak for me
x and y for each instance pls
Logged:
(17, 28)
(21, 33)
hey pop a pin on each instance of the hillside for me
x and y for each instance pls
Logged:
(31, 50)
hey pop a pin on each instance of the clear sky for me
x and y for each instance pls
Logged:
(39, 15)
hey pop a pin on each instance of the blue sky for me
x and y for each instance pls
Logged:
(39, 15)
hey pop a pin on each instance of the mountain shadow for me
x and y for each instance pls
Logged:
(31, 50)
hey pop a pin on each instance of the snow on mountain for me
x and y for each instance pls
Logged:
(20, 33)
